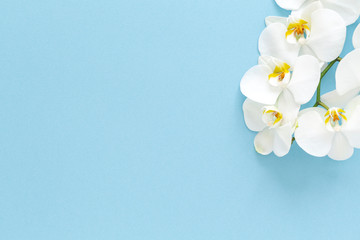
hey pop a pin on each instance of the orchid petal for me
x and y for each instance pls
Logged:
(352, 105)
(255, 85)
(348, 73)
(306, 50)
(264, 141)
(271, 62)
(340, 149)
(290, 5)
(275, 19)
(272, 42)
(356, 37)
(351, 127)
(311, 134)
(348, 9)
(288, 106)
(328, 33)
(306, 10)
(253, 115)
(282, 140)
(305, 79)
(333, 99)
(319, 110)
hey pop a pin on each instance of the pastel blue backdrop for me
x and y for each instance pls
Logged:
(123, 120)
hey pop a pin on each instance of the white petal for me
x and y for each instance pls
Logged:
(311, 134)
(353, 137)
(272, 42)
(306, 50)
(352, 105)
(264, 141)
(275, 19)
(271, 62)
(351, 127)
(348, 73)
(348, 9)
(267, 61)
(290, 4)
(333, 99)
(282, 140)
(305, 79)
(319, 110)
(253, 115)
(341, 149)
(255, 85)
(306, 10)
(328, 33)
(292, 39)
(356, 37)
(288, 107)
(274, 81)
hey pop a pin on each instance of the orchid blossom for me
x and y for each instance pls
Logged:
(334, 132)
(319, 32)
(296, 52)
(264, 83)
(275, 124)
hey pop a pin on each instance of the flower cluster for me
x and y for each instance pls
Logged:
(295, 54)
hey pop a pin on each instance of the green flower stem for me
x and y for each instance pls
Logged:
(318, 100)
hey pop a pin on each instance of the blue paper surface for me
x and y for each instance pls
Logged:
(123, 120)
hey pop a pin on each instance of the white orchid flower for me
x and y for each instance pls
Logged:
(348, 73)
(334, 132)
(265, 82)
(275, 124)
(319, 32)
(348, 9)
(356, 37)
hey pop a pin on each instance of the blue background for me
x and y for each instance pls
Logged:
(123, 120)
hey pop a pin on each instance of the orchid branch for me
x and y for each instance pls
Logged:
(323, 73)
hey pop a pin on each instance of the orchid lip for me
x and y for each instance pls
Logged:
(299, 30)
(272, 117)
(335, 118)
(280, 75)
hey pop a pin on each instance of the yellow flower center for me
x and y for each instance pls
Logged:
(335, 117)
(280, 72)
(298, 28)
(271, 116)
